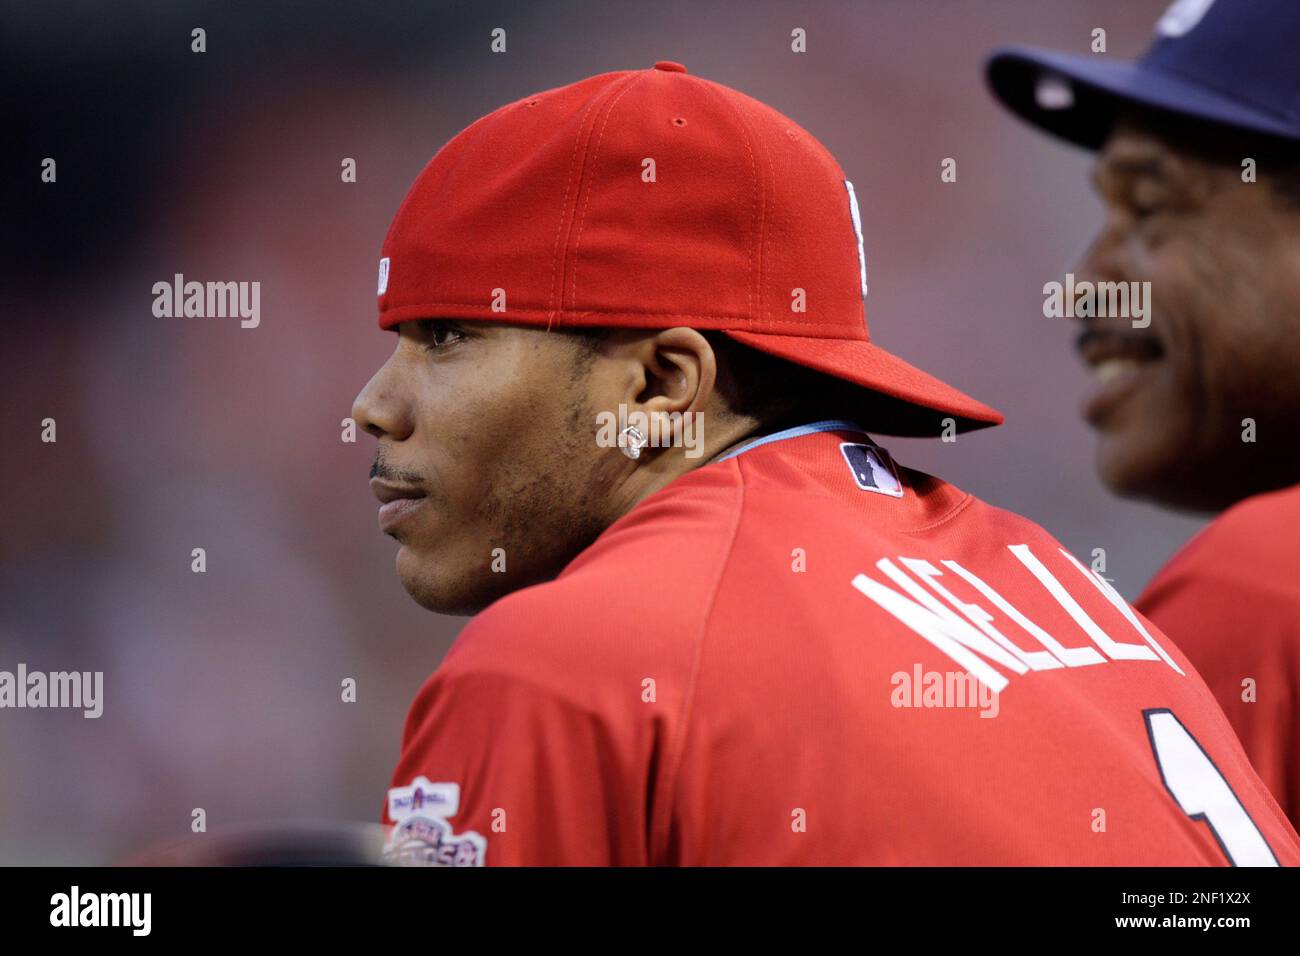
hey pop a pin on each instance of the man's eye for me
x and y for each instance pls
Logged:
(1145, 210)
(440, 334)
(1145, 201)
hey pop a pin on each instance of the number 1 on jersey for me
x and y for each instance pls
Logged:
(1201, 791)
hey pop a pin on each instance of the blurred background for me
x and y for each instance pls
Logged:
(223, 688)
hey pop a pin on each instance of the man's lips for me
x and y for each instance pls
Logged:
(1100, 343)
(1120, 357)
(397, 502)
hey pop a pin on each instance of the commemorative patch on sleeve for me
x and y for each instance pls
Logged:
(422, 835)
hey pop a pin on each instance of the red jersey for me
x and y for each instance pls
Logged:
(801, 654)
(1231, 600)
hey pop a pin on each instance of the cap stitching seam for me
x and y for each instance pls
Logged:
(564, 203)
(762, 227)
(763, 310)
(757, 214)
(582, 220)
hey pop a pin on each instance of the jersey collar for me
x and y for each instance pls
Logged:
(826, 425)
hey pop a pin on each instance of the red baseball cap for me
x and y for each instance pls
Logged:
(653, 199)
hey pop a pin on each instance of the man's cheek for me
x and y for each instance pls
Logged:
(430, 531)
(1155, 408)
(1181, 332)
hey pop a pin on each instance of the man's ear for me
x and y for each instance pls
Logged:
(681, 372)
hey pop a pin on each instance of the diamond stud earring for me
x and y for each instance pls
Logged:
(631, 441)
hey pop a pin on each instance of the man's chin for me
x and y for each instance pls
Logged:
(1146, 467)
(441, 603)
(431, 589)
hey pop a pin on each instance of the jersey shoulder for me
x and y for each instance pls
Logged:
(1250, 548)
(1261, 524)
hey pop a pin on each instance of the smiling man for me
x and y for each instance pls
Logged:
(776, 646)
(1223, 261)
(1198, 167)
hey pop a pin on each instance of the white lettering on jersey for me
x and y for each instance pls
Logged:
(1113, 649)
(1069, 656)
(965, 632)
(1114, 598)
(1034, 660)
(932, 628)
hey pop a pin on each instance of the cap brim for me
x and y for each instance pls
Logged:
(899, 399)
(1101, 89)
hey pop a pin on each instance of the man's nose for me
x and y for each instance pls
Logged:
(1103, 260)
(380, 409)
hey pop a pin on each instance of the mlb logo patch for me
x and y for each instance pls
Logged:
(383, 276)
(872, 469)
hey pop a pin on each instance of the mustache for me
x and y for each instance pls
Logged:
(1140, 342)
(382, 469)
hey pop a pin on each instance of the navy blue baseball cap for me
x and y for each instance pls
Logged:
(1230, 62)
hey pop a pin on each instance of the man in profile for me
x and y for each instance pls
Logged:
(1198, 166)
(685, 659)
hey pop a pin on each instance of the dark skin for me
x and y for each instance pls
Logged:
(1223, 260)
(493, 426)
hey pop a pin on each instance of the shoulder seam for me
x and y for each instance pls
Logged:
(952, 512)
(688, 707)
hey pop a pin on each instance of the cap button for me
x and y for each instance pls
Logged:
(668, 66)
